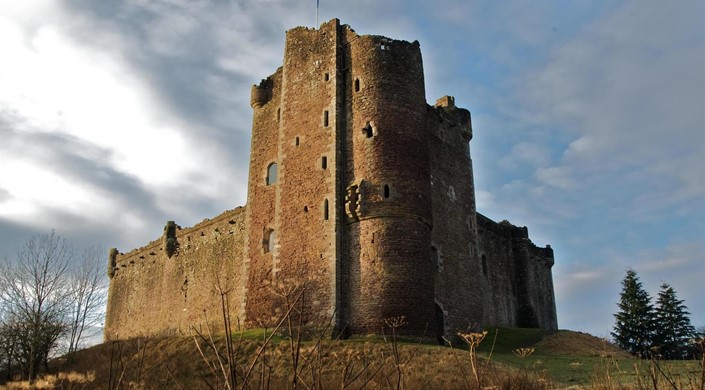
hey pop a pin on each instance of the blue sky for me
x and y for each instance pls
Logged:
(588, 122)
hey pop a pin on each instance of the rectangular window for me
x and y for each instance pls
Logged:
(324, 162)
(325, 118)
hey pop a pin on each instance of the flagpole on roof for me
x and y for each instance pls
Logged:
(317, 3)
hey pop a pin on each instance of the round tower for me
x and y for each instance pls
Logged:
(387, 199)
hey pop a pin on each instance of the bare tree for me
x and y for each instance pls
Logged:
(87, 286)
(35, 298)
(7, 342)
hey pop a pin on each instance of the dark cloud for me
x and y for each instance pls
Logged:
(198, 59)
(75, 160)
(12, 235)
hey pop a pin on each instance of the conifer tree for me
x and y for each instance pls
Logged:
(634, 327)
(674, 330)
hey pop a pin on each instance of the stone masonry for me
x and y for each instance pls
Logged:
(358, 190)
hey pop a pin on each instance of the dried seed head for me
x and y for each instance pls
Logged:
(523, 352)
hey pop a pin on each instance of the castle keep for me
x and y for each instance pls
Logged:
(359, 190)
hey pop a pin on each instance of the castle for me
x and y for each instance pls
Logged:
(359, 190)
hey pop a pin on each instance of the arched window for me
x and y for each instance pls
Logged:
(270, 236)
(386, 191)
(272, 174)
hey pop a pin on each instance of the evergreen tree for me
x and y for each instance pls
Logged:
(674, 330)
(634, 327)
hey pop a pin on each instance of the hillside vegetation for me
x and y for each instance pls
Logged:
(505, 359)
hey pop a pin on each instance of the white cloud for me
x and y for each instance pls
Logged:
(56, 86)
(59, 87)
(526, 153)
(627, 88)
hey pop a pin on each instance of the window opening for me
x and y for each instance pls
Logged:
(326, 77)
(367, 130)
(270, 237)
(325, 209)
(272, 174)
(305, 209)
(279, 114)
(297, 141)
(357, 85)
(324, 162)
(484, 265)
(386, 191)
(434, 258)
(439, 320)
(325, 118)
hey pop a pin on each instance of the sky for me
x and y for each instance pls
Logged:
(588, 118)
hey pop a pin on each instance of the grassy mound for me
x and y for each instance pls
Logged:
(570, 343)
(555, 360)
(179, 363)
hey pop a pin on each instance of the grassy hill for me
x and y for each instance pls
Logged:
(548, 360)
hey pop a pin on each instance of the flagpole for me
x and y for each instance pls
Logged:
(317, 2)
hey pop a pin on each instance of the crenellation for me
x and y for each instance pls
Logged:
(358, 191)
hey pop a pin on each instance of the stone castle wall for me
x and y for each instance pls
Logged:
(359, 191)
(519, 279)
(387, 170)
(295, 129)
(154, 293)
(454, 241)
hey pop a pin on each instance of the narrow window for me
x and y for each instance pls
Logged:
(325, 209)
(367, 130)
(357, 85)
(484, 265)
(279, 114)
(326, 77)
(434, 258)
(386, 191)
(272, 174)
(305, 209)
(325, 118)
(296, 141)
(268, 242)
(324, 162)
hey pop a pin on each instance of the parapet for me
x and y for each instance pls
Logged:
(260, 94)
(112, 262)
(460, 117)
(445, 101)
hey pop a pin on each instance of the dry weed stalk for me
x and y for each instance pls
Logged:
(473, 340)
(700, 346)
(395, 323)
(287, 291)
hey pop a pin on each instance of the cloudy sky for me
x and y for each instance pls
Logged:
(589, 122)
